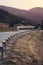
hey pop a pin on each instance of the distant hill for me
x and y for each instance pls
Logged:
(37, 14)
(37, 10)
(33, 16)
(9, 18)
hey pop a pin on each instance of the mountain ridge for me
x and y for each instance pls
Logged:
(30, 15)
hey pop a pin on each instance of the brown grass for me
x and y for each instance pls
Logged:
(28, 49)
(5, 27)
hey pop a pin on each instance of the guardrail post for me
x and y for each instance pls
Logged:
(4, 45)
(1, 50)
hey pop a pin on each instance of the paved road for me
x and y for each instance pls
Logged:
(5, 35)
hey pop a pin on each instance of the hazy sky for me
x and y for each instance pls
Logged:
(22, 4)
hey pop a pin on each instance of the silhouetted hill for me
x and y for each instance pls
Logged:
(37, 10)
(11, 16)
(33, 16)
(37, 14)
(8, 18)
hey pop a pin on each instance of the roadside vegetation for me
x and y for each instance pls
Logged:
(5, 27)
(28, 50)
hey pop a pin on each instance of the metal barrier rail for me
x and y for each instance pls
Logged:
(6, 44)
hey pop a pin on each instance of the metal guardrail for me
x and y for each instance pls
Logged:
(6, 44)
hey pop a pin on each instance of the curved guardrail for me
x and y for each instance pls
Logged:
(6, 44)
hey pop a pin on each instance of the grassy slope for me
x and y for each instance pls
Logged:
(28, 49)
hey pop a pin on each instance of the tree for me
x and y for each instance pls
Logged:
(42, 25)
(36, 26)
(11, 25)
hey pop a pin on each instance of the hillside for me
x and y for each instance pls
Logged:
(37, 10)
(28, 49)
(12, 20)
(8, 18)
(34, 15)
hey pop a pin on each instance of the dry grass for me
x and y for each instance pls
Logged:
(5, 27)
(28, 49)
